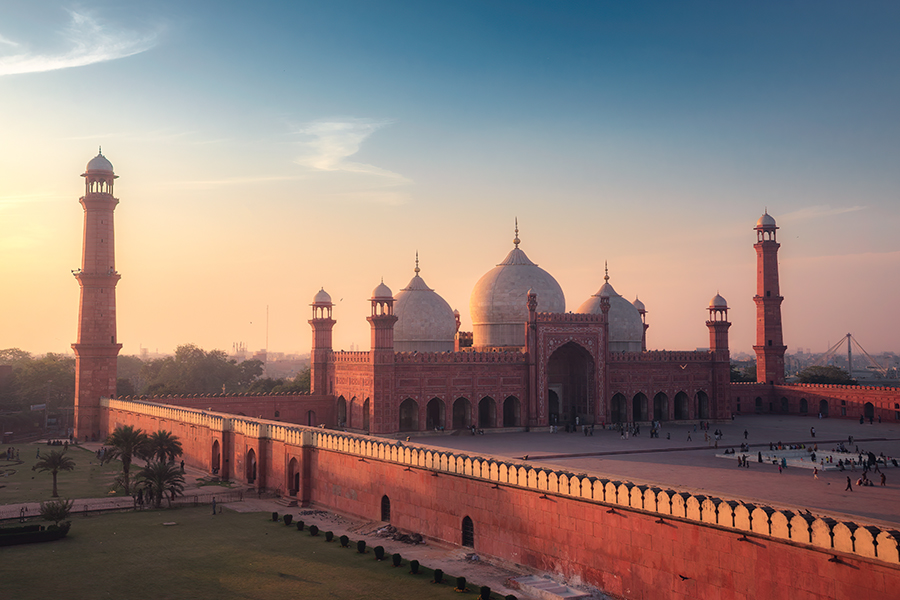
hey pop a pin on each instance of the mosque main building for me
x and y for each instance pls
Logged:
(526, 363)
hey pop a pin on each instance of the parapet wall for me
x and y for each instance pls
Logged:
(629, 540)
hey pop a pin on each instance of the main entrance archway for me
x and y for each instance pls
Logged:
(571, 374)
(216, 461)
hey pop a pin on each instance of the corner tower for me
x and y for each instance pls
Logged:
(769, 346)
(97, 348)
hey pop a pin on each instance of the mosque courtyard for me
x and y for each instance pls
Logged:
(671, 461)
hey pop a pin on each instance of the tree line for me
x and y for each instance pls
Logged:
(50, 380)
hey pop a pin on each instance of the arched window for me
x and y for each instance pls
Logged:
(511, 412)
(468, 532)
(409, 415)
(385, 509)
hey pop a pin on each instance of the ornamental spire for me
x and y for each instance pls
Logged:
(606, 269)
(417, 263)
(516, 240)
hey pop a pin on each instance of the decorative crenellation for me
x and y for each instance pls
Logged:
(459, 357)
(820, 532)
(190, 416)
(344, 356)
(661, 356)
(569, 318)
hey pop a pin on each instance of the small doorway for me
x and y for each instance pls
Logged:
(385, 509)
(468, 533)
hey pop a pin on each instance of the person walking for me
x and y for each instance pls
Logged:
(883, 479)
(815, 472)
(812, 431)
(849, 487)
(745, 434)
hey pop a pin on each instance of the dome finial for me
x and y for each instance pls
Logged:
(99, 149)
(516, 240)
(417, 263)
(606, 269)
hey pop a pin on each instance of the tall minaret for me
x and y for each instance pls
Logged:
(769, 346)
(320, 380)
(96, 348)
(383, 413)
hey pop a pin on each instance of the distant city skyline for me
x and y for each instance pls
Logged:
(267, 150)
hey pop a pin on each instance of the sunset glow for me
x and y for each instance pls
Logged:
(267, 150)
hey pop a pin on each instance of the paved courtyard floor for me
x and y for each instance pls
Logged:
(672, 461)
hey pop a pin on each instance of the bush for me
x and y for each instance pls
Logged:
(274, 516)
(300, 525)
(361, 546)
(313, 530)
(288, 519)
(438, 576)
(396, 559)
(56, 510)
(329, 536)
(345, 541)
(414, 567)
(485, 593)
(460, 584)
(379, 552)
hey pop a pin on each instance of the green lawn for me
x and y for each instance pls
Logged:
(18, 483)
(229, 555)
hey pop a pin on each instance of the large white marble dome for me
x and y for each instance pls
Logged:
(425, 322)
(626, 329)
(498, 304)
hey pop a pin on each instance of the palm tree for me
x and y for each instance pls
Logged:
(163, 446)
(126, 443)
(159, 477)
(54, 462)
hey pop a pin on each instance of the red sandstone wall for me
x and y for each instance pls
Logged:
(291, 409)
(843, 400)
(627, 554)
(631, 541)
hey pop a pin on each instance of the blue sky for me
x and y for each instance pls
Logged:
(268, 149)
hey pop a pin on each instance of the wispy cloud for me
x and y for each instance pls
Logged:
(87, 41)
(329, 143)
(818, 211)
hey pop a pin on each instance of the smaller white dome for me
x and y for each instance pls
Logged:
(718, 302)
(382, 291)
(99, 163)
(322, 297)
(626, 330)
(765, 222)
(639, 305)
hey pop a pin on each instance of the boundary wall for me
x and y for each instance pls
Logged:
(631, 541)
(834, 401)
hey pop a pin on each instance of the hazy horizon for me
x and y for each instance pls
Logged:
(268, 150)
